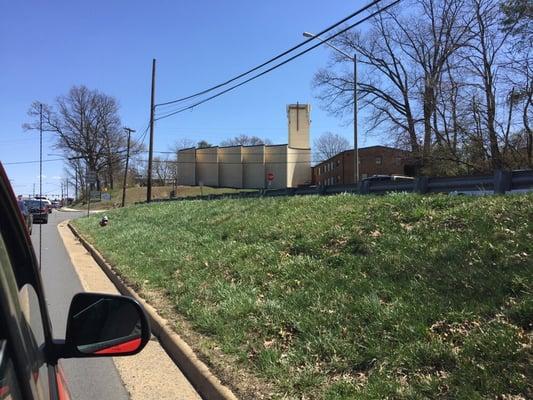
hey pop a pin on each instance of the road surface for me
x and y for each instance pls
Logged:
(95, 378)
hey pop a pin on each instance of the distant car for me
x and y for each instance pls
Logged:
(388, 178)
(98, 325)
(38, 209)
(56, 203)
(28, 217)
(48, 206)
(47, 202)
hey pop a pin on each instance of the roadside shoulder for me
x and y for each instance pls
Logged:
(151, 374)
(207, 384)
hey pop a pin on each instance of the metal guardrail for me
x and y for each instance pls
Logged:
(499, 183)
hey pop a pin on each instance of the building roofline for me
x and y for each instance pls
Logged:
(275, 145)
(299, 148)
(360, 148)
(227, 147)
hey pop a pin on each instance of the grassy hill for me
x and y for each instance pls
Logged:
(138, 194)
(341, 297)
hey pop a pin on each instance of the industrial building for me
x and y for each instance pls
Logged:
(253, 167)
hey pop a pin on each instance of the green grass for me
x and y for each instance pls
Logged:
(400, 296)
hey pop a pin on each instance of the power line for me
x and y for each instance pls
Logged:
(272, 59)
(31, 162)
(279, 64)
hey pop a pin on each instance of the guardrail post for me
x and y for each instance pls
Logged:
(364, 187)
(502, 181)
(421, 184)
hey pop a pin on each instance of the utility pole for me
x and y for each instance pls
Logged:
(126, 169)
(40, 181)
(355, 133)
(151, 148)
(34, 189)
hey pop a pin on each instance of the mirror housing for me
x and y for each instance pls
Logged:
(103, 325)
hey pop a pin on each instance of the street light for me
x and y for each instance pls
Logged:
(75, 172)
(354, 59)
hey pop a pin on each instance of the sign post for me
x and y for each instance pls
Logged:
(270, 178)
(90, 178)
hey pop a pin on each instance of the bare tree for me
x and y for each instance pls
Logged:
(405, 58)
(483, 61)
(181, 144)
(202, 144)
(244, 140)
(164, 170)
(517, 19)
(328, 145)
(87, 125)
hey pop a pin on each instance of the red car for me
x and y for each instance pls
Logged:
(98, 325)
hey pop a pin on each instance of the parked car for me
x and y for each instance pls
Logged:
(38, 210)
(98, 325)
(26, 214)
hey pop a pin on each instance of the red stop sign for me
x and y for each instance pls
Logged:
(270, 176)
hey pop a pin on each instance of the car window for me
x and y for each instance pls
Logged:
(22, 206)
(31, 328)
(9, 387)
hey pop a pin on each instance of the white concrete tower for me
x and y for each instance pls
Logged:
(299, 118)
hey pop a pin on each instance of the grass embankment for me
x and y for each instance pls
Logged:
(345, 297)
(138, 194)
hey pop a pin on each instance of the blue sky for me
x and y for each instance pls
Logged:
(47, 47)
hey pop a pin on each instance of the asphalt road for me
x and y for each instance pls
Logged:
(86, 378)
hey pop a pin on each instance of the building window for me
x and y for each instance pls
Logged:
(338, 162)
(338, 178)
(379, 160)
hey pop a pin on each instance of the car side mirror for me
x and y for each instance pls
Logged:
(104, 325)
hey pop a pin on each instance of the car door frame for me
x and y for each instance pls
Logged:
(22, 258)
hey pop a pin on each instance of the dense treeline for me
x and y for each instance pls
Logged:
(450, 80)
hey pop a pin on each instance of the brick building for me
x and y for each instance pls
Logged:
(373, 160)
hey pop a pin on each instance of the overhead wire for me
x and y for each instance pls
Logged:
(277, 65)
(272, 59)
(31, 162)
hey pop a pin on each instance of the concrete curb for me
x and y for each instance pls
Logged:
(207, 385)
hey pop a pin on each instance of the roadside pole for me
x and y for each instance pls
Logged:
(126, 168)
(151, 148)
(40, 181)
(88, 198)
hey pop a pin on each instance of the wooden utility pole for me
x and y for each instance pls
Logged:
(126, 169)
(151, 148)
(40, 182)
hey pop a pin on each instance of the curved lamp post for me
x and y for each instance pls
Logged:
(354, 60)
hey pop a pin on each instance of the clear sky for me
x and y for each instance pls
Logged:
(46, 47)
